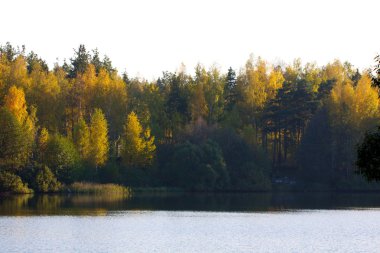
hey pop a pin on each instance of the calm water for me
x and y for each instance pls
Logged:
(191, 223)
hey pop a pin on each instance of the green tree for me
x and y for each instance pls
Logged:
(214, 96)
(247, 166)
(376, 75)
(62, 157)
(230, 93)
(197, 167)
(80, 61)
(177, 103)
(95, 60)
(15, 150)
(33, 59)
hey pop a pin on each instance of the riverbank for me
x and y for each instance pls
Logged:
(81, 188)
(105, 204)
(109, 188)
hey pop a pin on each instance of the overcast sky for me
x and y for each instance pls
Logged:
(145, 37)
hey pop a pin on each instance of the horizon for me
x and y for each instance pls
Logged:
(142, 39)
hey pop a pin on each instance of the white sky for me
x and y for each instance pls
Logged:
(146, 37)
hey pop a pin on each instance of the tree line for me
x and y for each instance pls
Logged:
(260, 127)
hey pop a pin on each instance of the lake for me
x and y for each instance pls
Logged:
(260, 222)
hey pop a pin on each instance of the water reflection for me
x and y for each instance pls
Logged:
(59, 204)
(243, 202)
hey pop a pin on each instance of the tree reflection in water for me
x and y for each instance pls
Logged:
(104, 204)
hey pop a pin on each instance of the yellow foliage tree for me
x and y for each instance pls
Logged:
(313, 76)
(366, 100)
(42, 142)
(198, 104)
(334, 71)
(16, 103)
(82, 139)
(276, 79)
(256, 84)
(18, 73)
(44, 92)
(354, 106)
(138, 147)
(5, 70)
(85, 88)
(103, 84)
(341, 104)
(99, 145)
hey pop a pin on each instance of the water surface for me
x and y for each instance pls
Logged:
(191, 223)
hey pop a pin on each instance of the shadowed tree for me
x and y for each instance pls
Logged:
(368, 152)
(368, 161)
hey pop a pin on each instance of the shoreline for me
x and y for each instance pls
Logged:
(164, 190)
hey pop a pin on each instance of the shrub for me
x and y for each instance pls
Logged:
(197, 167)
(12, 183)
(46, 181)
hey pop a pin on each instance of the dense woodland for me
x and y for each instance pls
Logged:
(261, 127)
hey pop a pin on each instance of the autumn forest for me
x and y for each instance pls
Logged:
(258, 128)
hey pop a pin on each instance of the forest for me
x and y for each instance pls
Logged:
(258, 128)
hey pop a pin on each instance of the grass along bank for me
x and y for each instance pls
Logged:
(94, 188)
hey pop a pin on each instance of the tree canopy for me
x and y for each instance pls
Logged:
(211, 129)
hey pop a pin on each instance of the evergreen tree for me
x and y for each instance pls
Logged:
(230, 89)
(95, 60)
(107, 65)
(79, 62)
(33, 59)
(376, 69)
